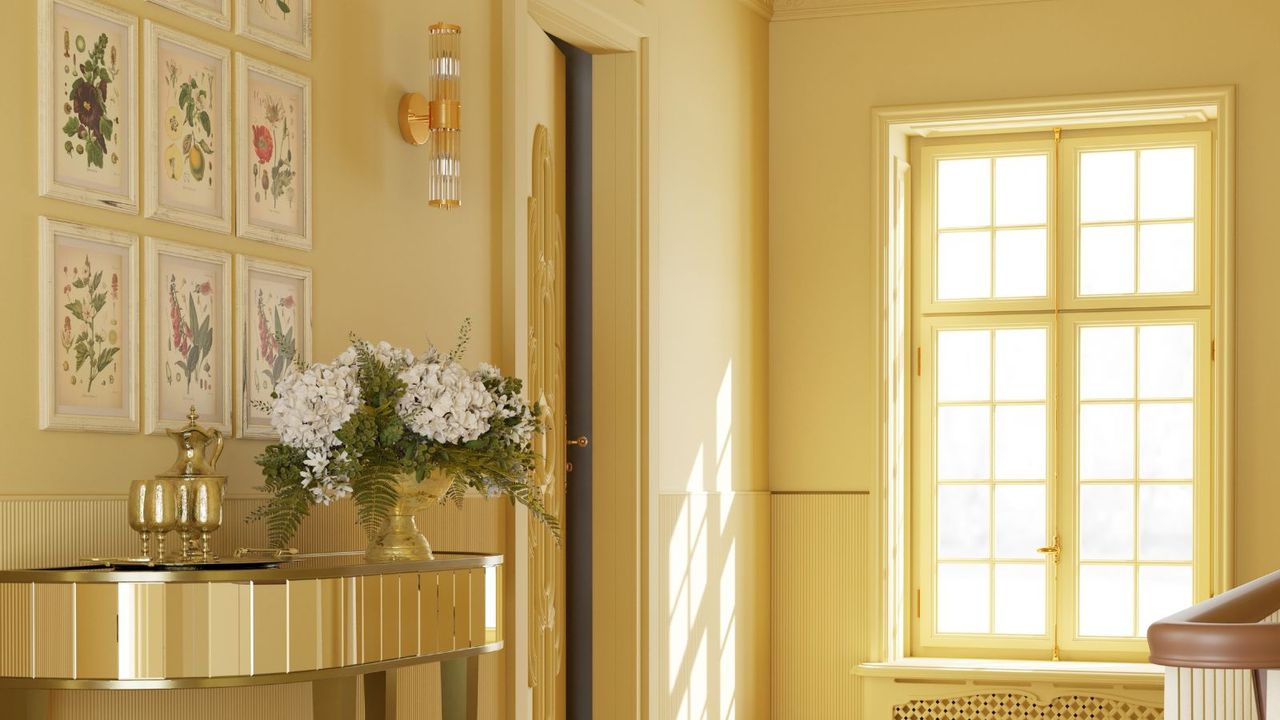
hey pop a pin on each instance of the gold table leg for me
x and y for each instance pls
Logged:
(25, 704)
(380, 695)
(459, 688)
(334, 699)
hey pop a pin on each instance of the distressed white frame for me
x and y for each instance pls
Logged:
(49, 137)
(152, 296)
(220, 18)
(244, 140)
(50, 418)
(891, 129)
(301, 49)
(152, 208)
(244, 265)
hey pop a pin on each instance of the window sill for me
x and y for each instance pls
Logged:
(956, 670)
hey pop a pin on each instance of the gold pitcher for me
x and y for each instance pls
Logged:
(197, 489)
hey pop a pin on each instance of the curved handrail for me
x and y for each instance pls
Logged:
(1225, 632)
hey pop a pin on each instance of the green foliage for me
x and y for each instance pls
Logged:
(290, 502)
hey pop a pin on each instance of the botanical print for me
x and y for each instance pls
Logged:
(91, 316)
(88, 348)
(188, 342)
(274, 152)
(89, 112)
(275, 321)
(186, 130)
(272, 161)
(282, 24)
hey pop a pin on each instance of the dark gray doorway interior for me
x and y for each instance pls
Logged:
(577, 532)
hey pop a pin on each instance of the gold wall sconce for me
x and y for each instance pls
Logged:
(436, 121)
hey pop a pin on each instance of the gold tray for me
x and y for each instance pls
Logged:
(214, 563)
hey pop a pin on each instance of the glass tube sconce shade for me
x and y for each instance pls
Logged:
(436, 120)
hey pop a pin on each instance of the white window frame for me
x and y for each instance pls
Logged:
(892, 128)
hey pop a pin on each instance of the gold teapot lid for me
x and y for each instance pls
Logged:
(198, 448)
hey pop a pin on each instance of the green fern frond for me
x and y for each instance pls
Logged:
(375, 491)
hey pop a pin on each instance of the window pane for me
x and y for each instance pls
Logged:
(964, 527)
(964, 442)
(964, 592)
(1020, 521)
(1021, 364)
(1019, 599)
(1168, 258)
(1164, 522)
(1106, 522)
(1106, 600)
(1106, 442)
(1106, 260)
(1162, 591)
(964, 193)
(1106, 363)
(1165, 438)
(1021, 193)
(1168, 183)
(964, 365)
(964, 265)
(1020, 263)
(1106, 186)
(1020, 442)
(1166, 363)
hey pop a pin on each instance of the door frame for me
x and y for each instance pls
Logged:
(625, 646)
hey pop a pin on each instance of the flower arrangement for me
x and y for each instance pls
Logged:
(354, 427)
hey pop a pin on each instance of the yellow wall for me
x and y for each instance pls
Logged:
(708, 263)
(386, 266)
(827, 74)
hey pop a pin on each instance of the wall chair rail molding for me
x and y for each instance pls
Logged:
(784, 10)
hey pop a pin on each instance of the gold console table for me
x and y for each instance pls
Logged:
(328, 620)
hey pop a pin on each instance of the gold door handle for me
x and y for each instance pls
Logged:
(1055, 549)
(580, 441)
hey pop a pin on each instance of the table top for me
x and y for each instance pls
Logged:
(301, 567)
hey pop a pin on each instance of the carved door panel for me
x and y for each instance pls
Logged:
(547, 379)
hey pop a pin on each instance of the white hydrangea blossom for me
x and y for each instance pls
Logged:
(313, 403)
(386, 353)
(444, 402)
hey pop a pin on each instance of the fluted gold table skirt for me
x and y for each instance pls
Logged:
(322, 619)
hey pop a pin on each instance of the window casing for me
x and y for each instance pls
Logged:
(1024, 395)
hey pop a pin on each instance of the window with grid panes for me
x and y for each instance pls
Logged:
(1061, 418)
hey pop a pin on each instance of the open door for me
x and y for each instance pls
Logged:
(547, 380)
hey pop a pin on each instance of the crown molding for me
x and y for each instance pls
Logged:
(784, 10)
(763, 8)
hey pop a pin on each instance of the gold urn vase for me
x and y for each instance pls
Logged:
(399, 537)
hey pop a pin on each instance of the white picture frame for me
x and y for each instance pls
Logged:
(191, 187)
(215, 12)
(264, 334)
(70, 355)
(87, 151)
(175, 278)
(281, 24)
(273, 120)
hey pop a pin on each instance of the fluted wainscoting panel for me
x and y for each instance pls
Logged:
(821, 577)
(49, 531)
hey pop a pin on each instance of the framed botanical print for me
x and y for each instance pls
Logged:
(273, 317)
(187, 122)
(187, 310)
(282, 24)
(214, 12)
(88, 328)
(273, 146)
(87, 58)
